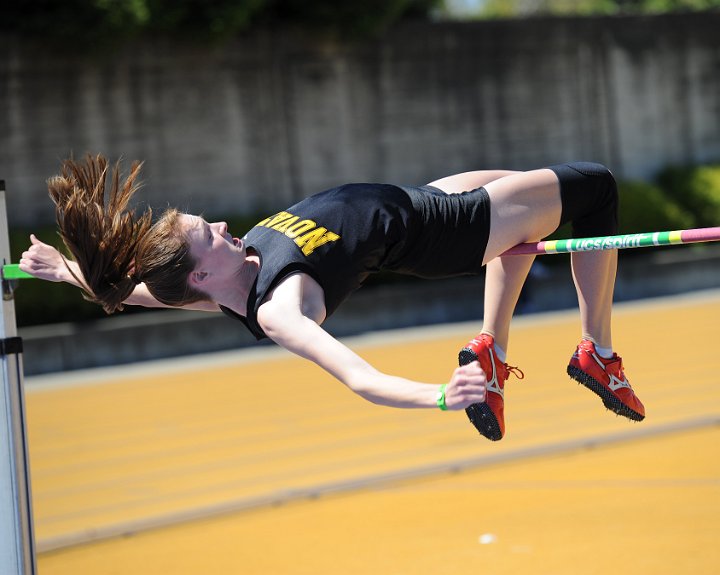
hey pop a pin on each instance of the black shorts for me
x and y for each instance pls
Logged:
(447, 233)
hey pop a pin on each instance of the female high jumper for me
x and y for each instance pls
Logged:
(293, 269)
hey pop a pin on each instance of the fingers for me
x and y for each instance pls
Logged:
(25, 264)
(25, 260)
(38, 248)
(34, 241)
(35, 244)
(467, 386)
(41, 260)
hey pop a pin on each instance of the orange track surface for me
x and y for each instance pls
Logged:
(236, 463)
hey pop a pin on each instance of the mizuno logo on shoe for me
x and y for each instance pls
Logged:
(492, 385)
(606, 378)
(614, 384)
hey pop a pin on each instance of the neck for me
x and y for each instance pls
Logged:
(235, 296)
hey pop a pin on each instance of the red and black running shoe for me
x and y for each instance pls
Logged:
(488, 417)
(606, 378)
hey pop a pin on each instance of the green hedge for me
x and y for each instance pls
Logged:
(645, 207)
(696, 189)
(89, 22)
(680, 197)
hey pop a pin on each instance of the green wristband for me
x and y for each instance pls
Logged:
(440, 401)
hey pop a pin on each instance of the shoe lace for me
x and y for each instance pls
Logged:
(516, 371)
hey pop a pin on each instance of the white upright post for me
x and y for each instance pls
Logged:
(17, 540)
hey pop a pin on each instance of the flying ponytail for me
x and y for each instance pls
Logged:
(102, 236)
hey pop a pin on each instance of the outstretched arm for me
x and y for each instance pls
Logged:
(284, 321)
(45, 262)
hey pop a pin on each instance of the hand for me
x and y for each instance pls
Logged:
(44, 262)
(467, 386)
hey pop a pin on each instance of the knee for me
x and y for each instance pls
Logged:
(601, 176)
(599, 182)
(589, 198)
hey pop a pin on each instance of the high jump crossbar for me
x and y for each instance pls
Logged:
(619, 242)
(17, 541)
(623, 241)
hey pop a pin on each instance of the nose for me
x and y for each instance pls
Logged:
(221, 227)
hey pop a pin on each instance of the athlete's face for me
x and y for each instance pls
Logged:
(214, 250)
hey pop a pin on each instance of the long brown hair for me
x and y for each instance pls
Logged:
(114, 248)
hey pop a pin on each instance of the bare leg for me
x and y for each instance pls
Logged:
(504, 280)
(469, 180)
(525, 206)
(594, 276)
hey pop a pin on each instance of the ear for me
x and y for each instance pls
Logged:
(198, 278)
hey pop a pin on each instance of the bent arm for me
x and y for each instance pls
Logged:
(45, 262)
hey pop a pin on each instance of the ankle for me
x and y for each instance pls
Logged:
(499, 346)
(606, 352)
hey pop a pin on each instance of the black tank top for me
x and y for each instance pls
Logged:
(341, 236)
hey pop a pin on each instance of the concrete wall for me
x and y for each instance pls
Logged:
(272, 118)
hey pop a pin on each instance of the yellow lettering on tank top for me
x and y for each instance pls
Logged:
(273, 220)
(299, 228)
(305, 233)
(263, 222)
(312, 240)
(285, 224)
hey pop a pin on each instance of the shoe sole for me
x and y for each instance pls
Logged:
(608, 397)
(480, 414)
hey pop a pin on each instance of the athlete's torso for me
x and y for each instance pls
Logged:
(342, 235)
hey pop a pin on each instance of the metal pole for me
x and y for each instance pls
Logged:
(17, 540)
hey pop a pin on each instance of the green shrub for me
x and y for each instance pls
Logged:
(696, 189)
(89, 22)
(645, 207)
